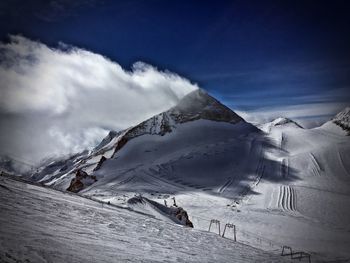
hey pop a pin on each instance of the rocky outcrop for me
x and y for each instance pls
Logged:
(194, 106)
(342, 119)
(80, 181)
(200, 105)
(106, 140)
(145, 205)
(100, 162)
(182, 216)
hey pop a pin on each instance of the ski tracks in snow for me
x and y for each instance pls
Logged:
(316, 169)
(226, 185)
(260, 170)
(287, 198)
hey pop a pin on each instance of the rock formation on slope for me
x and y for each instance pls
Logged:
(342, 119)
(81, 180)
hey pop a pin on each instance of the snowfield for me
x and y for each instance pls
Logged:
(280, 184)
(286, 187)
(42, 225)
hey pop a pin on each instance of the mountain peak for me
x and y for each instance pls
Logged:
(280, 122)
(283, 121)
(200, 105)
(342, 119)
(194, 106)
(345, 113)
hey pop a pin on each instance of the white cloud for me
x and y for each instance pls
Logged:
(66, 99)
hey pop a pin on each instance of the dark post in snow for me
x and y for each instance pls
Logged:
(295, 255)
(228, 225)
(234, 231)
(174, 202)
(216, 222)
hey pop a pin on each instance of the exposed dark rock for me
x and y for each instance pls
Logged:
(177, 214)
(136, 200)
(342, 119)
(182, 216)
(200, 105)
(81, 180)
(194, 106)
(100, 162)
(107, 139)
(120, 144)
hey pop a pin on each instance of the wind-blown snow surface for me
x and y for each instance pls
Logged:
(309, 209)
(42, 225)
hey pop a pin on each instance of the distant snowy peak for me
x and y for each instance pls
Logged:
(106, 140)
(285, 121)
(342, 119)
(194, 106)
(200, 105)
(280, 122)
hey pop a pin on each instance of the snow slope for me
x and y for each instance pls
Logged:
(281, 185)
(286, 187)
(307, 210)
(199, 125)
(42, 225)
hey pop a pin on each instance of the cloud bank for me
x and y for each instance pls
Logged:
(61, 100)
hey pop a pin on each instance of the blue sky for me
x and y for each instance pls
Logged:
(252, 55)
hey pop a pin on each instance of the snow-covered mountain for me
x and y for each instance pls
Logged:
(197, 121)
(280, 122)
(308, 205)
(342, 119)
(281, 184)
(340, 124)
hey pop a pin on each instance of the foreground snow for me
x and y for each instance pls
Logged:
(42, 225)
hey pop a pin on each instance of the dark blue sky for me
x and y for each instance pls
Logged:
(249, 54)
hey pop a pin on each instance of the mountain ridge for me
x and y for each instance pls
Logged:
(342, 119)
(195, 106)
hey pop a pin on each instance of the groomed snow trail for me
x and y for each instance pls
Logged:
(287, 198)
(316, 169)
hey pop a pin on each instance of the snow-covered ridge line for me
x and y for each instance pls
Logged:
(194, 106)
(342, 119)
(280, 122)
(283, 121)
